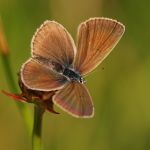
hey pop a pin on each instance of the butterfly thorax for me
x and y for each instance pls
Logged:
(73, 75)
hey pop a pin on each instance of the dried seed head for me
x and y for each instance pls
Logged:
(41, 98)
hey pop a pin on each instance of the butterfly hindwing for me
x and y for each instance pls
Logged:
(75, 99)
(36, 76)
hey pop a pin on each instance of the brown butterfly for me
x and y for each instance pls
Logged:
(57, 64)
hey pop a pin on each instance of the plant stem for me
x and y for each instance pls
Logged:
(37, 128)
(25, 112)
(4, 50)
(8, 73)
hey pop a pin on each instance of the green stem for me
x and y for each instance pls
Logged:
(8, 73)
(26, 114)
(37, 128)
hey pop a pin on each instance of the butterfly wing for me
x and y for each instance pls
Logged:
(36, 76)
(75, 99)
(95, 40)
(52, 42)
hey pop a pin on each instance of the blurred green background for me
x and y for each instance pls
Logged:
(120, 91)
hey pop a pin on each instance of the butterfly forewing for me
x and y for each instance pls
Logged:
(74, 98)
(38, 77)
(53, 42)
(95, 40)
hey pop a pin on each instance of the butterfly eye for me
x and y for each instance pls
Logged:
(82, 80)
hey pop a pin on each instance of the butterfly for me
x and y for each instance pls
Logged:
(56, 64)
